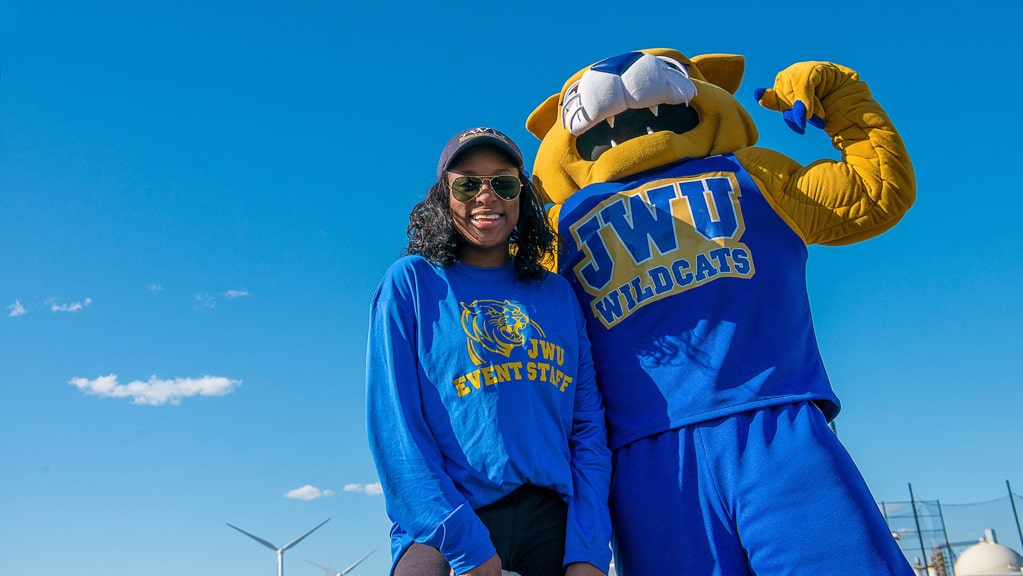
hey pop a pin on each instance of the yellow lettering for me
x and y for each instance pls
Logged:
(548, 350)
(460, 386)
(544, 370)
(503, 373)
(509, 371)
(516, 366)
(565, 383)
(532, 349)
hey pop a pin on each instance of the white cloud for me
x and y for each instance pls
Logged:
(16, 309)
(369, 489)
(155, 288)
(205, 300)
(308, 492)
(72, 307)
(156, 392)
(232, 294)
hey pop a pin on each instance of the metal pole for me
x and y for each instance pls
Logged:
(1015, 515)
(916, 519)
(948, 547)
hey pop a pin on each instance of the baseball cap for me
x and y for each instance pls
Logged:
(476, 137)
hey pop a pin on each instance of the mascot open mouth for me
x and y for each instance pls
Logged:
(634, 123)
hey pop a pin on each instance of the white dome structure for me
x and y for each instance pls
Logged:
(988, 559)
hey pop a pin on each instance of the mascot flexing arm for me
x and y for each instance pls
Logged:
(687, 247)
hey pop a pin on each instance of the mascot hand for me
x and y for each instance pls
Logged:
(802, 92)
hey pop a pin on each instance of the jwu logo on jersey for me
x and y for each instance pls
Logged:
(494, 327)
(663, 238)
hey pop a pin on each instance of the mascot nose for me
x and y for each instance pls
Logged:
(617, 65)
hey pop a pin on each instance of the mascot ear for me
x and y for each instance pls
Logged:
(542, 119)
(723, 70)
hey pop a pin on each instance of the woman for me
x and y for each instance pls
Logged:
(484, 418)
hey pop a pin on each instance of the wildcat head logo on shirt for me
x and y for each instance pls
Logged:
(494, 326)
(499, 327)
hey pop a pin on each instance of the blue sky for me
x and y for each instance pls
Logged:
(197, 200)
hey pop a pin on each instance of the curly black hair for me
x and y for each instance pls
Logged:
(432, 233)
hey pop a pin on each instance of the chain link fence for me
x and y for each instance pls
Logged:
(932, 534)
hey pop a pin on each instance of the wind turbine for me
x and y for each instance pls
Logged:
(280, 551)
(331, 572)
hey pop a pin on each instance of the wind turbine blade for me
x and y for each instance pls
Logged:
(299, 539)
(357, 562)
(328, 569)
(256, 538)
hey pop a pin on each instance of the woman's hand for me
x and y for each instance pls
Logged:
(492, 567)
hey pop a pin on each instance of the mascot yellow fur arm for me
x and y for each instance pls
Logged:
(826, 202)
(830, 202)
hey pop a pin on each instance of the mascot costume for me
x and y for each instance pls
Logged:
(687, 248)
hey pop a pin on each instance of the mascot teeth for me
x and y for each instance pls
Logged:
(633, 81)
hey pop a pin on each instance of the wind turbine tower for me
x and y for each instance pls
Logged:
(332, 572)
(280, 551)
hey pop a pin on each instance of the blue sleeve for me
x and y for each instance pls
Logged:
(421, 499)
(589, 523)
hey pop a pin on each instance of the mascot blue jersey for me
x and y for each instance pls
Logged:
(696, 289)
(478, 383)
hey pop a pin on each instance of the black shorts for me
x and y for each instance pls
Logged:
(527, 527)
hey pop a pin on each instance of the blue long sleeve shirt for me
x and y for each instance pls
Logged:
(477, 384)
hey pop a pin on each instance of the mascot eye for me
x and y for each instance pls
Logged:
(675, 65)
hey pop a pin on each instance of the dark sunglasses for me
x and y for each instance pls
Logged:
(465, 188)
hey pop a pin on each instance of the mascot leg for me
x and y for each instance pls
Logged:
(766, 492)
(666, 515)
(800, 503)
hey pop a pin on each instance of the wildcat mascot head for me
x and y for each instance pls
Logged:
(637, 111)
(644, 109)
